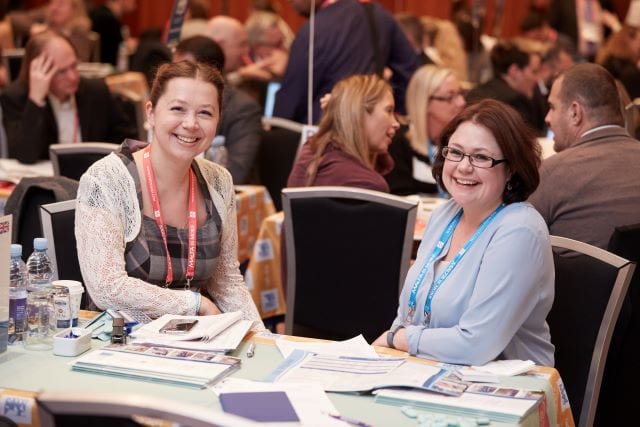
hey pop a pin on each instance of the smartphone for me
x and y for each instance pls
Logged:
(178, 326)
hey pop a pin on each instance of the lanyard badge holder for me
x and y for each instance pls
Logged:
(437, 250)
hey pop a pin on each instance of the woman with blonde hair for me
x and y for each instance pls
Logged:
(434, 97)
(355, 131)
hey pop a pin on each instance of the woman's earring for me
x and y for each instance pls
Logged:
(509, 186)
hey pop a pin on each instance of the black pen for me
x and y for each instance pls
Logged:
(251, 350)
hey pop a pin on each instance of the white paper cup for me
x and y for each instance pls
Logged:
(75, 293)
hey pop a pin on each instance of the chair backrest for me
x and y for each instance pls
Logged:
(278, 151)
(622, 372)
(348, 252)
(12, 59)
(121, 409)
(94, 46)
(58, 221)
(25, 201)
(72, 160)
(590, 289)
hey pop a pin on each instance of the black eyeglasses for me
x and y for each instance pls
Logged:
(477, 160)
(448, 98)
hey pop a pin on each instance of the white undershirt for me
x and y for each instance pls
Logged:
(66, 115)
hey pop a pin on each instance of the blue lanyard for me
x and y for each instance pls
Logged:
(437, 250)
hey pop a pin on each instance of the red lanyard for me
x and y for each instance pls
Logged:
(76, 126)
(193, 223)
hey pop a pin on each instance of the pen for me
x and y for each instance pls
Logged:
(350, 420)
(251, 350)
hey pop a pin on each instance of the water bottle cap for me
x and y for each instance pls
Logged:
(218, 141)
(40, 243)
(16, 250)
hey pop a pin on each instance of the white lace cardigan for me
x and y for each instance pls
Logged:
(108, 216)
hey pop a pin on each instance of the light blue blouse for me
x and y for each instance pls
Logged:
(495, 302)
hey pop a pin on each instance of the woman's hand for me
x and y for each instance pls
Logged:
(399, 340)
(207, 307)
(381, 341)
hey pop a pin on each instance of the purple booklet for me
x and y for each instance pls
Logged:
(264, 406)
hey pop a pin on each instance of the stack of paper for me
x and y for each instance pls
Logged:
(361, 374)
(503, 404)
(219, 333)
(158, 364)
(491, 372)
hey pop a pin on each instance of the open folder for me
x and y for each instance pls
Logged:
(220, 332)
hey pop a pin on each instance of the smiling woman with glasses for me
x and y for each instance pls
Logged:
(434, 97)
(482, 284)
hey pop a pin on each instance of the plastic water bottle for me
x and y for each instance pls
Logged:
(218, 152)
(41, 317)
(17, 296)
(39, 266)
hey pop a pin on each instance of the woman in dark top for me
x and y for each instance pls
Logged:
(350, 148)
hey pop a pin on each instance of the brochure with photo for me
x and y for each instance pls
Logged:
(362, 374)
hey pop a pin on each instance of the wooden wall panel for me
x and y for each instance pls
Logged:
(155, 13)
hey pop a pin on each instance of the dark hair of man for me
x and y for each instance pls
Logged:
(200, 9)
(514, 137)
(558, 47)
(204, 50)
(534, 20)
(504, 54)
(185, 69)
(35, 46)
(593, 87)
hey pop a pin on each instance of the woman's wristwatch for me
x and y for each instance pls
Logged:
(391, 334)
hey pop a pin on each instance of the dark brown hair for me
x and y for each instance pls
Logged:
(593, 87)
(173, 70)
(515, 139)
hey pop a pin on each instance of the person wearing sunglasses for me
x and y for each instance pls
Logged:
(483, 281)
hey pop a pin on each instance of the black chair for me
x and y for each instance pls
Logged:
(71, 409)
(278, 150)
(25, 201)
(590, 288)
(72, 160)
(58, 222)
(348, 253)
(622, 372)
(58, 226)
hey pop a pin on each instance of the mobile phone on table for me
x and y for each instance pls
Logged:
(178, 326)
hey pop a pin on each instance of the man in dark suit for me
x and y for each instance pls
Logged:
(50, 103)
(515, 82)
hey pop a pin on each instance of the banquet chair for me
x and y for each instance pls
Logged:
(58, 221)
(72, 160)
(24, 204)
(75, 409)
(58, 227)
(622, 371)
(590, 287)
(348, 252)
(277, 153)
